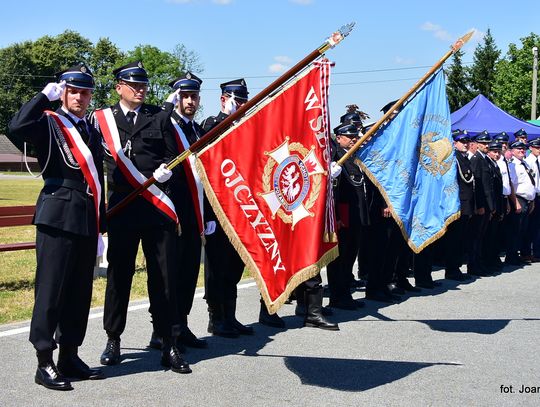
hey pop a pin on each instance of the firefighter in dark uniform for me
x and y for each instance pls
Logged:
(491, 242)
(146, 139)
(484, 205)
(223, 266)
(67, 228)
(184, 194)
(352, 195)
(455, 236)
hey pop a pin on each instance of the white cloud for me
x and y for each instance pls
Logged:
(281, 65)
(437, 31)
(277, 68)
(302, 2)
(222, 2)
(404, 61)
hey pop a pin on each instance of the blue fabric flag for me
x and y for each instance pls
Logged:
(412, 162)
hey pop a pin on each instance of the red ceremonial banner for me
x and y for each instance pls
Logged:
(267, 179)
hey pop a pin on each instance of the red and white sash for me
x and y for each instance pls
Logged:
(193, 179)
(152, 194)
(82, 154)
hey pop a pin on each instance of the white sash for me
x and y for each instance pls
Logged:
(82, 154)
(152, 194)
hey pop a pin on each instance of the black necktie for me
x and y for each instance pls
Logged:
(130, 118)
(83, 130)
(528, 172)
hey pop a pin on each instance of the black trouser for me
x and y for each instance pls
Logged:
(519, 226)
(188, 246)
(381, 265)
(158, 243)
(476, 231)
(63, 288)
(339, 270)
(309, 284)
(531, 236)
(423, 264)
(454, 244)
(223, 268)
(490, 254)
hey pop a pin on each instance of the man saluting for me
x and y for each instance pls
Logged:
(69, 216)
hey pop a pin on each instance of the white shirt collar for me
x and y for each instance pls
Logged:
(76, 119)
(126, 109)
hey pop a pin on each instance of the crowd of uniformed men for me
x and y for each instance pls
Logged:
(498, 184)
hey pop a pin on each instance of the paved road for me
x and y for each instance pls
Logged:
(456, 345)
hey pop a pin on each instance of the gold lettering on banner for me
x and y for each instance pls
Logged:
(242, 194)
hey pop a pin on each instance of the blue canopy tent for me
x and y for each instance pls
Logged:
(480, 114)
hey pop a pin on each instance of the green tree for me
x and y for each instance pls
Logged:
(53, 54)
(482, 72)
(162, 67)
(513, 78)
(457, 83)
(104, 58)
(18, 82)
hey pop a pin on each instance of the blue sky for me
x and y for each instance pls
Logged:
(393, 44)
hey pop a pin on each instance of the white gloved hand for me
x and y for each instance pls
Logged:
(162, 173)
(54, 90)
(173, 97)
(100, 245)
(335, 169)
(230, 106)
(210, 228)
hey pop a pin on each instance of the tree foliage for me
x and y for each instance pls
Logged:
(26, 67)
(457, 83)
(513, 78)
(482, 72)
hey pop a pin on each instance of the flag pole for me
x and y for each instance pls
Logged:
(453, 49)
(214, 133)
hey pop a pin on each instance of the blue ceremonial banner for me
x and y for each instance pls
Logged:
(412, 162)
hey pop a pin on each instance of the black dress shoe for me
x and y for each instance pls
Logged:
(48, 376)
(405, 285)
(111, 354)
(156, 341)
(72, 366)
(348, 304)
(456, 276)
(381, 296)
(425, 284)
(273, 320)
(171, 357)
(394, 289)
(188, 338)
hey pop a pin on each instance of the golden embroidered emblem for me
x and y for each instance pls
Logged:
(434, 154)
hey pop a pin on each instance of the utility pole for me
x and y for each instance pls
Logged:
(535, 78)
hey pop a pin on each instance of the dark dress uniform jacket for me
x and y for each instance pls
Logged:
(484, 175)
(466, 185)
(68, 208)
(355, 192)
(152, 143)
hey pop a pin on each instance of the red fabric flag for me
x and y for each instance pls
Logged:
(267, 179)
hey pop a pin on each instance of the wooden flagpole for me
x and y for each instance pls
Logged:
(454, 48)
(214, 133)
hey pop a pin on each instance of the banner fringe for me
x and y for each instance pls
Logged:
(414, 248)
(294, 281)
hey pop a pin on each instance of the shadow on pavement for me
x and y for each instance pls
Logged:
(352, 374)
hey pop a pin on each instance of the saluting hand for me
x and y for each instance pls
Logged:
(54, 90)
(230, 106)
(173, 97)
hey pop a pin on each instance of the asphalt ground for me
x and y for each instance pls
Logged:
(468, 344)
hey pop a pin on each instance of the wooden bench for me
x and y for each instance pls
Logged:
(16, 216)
